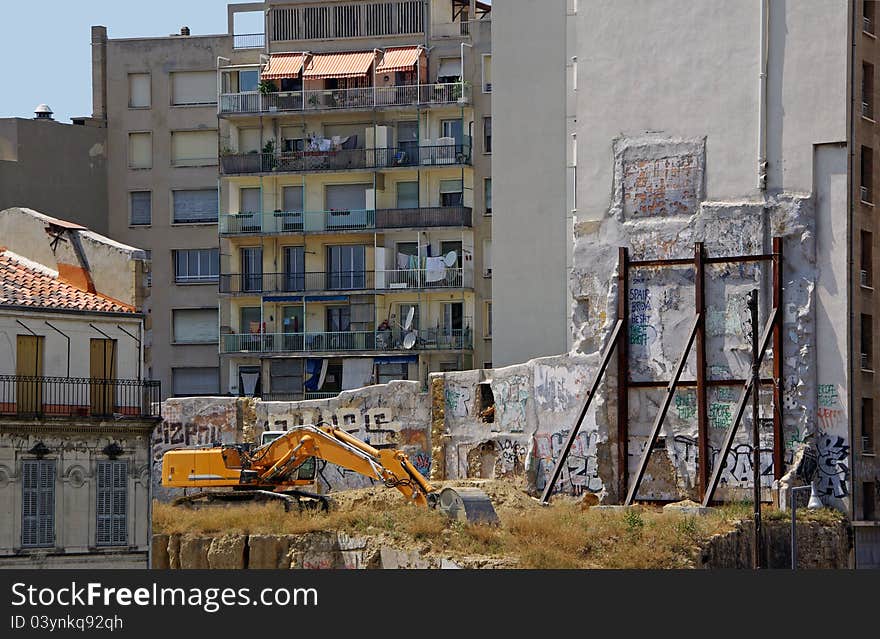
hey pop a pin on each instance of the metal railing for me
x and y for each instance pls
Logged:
(867, 25)
(248, 40)
(344, 159)
(352, 341)
(282, 222)
(416, 278)
(81, 398)
(340, 99)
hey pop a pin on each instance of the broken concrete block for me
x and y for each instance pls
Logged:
(268, 552)
(688, 507)
(160, 559)
(227, 552)
(194, 552)
(174, 551)
(393, 559)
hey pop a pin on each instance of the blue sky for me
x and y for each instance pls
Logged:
(46, 53)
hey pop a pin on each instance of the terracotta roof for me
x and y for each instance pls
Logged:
(24, 285)
(340, 65)
(283, 65)
(399, 59)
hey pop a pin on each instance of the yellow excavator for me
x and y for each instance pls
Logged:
(284, 461)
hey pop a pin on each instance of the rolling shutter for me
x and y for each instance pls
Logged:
(193, 148)
(196, 205)
(194, 87)
(195, 326)
(190, 382)
(140, 150)
(346, 197)
(139, 90)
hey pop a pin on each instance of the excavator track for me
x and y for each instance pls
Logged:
(299, 499)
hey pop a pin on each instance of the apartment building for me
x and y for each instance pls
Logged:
(158, 97)
(685, 127)
(355, 196)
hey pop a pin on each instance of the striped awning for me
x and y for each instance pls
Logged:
(399, 59)
(339, 65)
(283, 65)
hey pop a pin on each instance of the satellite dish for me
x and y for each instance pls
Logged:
(409, 318)
(409, 341)
(451, 258)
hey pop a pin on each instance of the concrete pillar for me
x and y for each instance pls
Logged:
(99, 73)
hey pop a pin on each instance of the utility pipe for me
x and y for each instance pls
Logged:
(762, 95)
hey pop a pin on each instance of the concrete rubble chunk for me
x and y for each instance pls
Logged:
(227, 552)
(160, 559)
(194, 552)
(268, 552)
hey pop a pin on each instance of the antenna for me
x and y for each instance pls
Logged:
(450, 258)
(409, 341)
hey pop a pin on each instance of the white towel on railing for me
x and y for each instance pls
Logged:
(435, 269)
(402, 261)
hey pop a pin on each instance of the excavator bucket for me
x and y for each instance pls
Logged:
(467, 504)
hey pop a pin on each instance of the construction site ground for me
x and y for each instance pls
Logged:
(568, 533)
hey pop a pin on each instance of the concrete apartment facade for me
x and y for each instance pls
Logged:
(75, 412)
(158, 97)
(57, 168)
(694, 128)
(355, 192)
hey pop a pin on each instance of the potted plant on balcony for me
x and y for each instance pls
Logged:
(267, 86)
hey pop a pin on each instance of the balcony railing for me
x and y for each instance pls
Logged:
(252, 102)
(283, 222)
(80, 398)
(354, 341)
(344, 159)
(249, 41)
(260, 283)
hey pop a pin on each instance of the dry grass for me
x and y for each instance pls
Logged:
(562, 535)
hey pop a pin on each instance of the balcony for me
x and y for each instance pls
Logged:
(344, 159)
(286, 222)
(355, 341)
(241, 41)
(381, 280)
(78, 398)
(417, 95)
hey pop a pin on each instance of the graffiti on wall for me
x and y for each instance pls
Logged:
(511, 396)
(739, 464)
(831, 465)
(580, 472)
(459, 400)
(640, 329)
(557, 387)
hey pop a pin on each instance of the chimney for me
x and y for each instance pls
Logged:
(184, 31)
(99, 73)
(43, 112)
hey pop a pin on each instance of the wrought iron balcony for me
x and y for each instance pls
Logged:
(416, 95)
(382, 280)
(286, 222)
(344, 159)
(353, 341)
(78, 398)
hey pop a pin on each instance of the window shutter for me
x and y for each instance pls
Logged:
(38, 503)
(141, 208)
(139, 90)
(140, 150)
(195, 326)
(346, 197)
(112, 503)
(249, 140)
(451, 186)
(196, 205)
(193, 148)
(250, 201)
(407, 195)
(293, 198)
(194, 87)
(195, 381)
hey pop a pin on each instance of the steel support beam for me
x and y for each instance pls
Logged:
(623, 370)
(702, 394)
(778, 439)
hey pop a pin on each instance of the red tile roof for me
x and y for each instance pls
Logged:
(24, 285)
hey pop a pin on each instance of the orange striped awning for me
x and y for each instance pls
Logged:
(339, 65)
(283, 65)
(399, 59)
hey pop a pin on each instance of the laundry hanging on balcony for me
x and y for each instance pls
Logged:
(316, 371)
(435, 269)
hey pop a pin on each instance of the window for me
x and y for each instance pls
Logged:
(191, 88)
(139, 90)
(487, 328)
(574, 73)
(249, 141)
(868, 426)
(286, 377)
(868, 14)
(389, 372)
(37, 503)
(346, 197)
(338, 319)
(487, 194)
(141, 209)
(867, 182)
(451, 193)
(487, 365)
(195, 206)
(250, 200)
(252, 269)
(195, 381)
(193, 148)
(487, 73)
(453, 129)
(248, 80)
(196, 266)
(487, 258)
(868, 90)
(195, 326)
(403, 312)
(868, 500)
(251, 318)
(294, 268)
(449, 70)
(112, 503)
(293, 198)
(487, 135)
(407, 195)
(866, 274)
(346, 266)
(140, 150)
(867, 342)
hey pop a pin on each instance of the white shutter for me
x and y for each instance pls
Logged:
(249, 140)
(140, 150)
(195, 326)
(139, 90)
(195, 381)
(193, 148)
(250, 201)
(193, 87)
(451, 186)
(449, 67)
